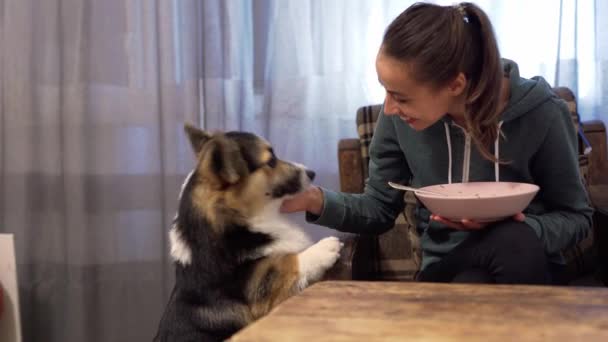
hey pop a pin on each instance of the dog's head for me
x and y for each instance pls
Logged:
(240, 172)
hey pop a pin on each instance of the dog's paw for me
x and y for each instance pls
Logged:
(331, 246)
(318, 258)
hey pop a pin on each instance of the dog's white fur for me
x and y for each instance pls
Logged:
(317, 259)
(313, 261)
(179, 249)
(289, 238)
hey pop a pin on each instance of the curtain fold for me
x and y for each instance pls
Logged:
(94, 96)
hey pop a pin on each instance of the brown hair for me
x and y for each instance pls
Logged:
(441, 42)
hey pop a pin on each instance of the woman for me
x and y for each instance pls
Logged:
(455, 112)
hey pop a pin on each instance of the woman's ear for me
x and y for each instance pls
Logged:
(458, 85)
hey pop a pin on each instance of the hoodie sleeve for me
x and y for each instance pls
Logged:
(567, 217)
(374, 211)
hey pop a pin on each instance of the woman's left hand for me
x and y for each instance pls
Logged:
(465, 224)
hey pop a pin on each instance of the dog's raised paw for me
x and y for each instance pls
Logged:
(318, 258)
(330, 244)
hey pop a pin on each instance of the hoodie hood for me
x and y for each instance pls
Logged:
(525, 94)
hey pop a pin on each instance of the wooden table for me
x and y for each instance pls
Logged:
(377, 311)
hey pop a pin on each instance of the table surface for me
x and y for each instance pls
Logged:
(394, 311)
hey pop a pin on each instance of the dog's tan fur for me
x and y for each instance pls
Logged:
(266, 296)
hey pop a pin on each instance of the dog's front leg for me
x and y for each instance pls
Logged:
(316, 259)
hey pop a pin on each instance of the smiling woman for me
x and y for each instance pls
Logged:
(447, 90)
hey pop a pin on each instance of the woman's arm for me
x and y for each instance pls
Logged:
(567, 217)
(374, 211)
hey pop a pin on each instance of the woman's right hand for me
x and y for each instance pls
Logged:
(310, 200)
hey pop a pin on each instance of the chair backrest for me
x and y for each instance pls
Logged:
(583, 148)
(366, 123)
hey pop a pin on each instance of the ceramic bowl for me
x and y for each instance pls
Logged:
(478, 201)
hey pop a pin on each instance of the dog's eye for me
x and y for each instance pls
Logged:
(272, 162)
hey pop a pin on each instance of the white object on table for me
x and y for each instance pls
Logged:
(10, 321)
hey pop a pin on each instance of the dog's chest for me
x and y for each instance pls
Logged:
(287, 237)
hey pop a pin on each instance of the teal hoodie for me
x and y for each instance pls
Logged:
(538, 140)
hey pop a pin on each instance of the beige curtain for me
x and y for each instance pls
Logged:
(93, 98)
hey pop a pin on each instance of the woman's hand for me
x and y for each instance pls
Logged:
(468, 224)
(310, 200)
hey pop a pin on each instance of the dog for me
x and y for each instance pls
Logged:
(236, 257)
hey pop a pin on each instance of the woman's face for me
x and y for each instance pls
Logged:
(419, 105)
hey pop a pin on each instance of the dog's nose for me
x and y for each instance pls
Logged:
(310, 174)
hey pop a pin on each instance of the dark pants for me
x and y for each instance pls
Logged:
(507, 252)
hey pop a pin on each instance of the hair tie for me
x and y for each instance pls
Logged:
(463, 12)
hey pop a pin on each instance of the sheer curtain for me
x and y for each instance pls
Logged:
(561, 40)
(292, 71)
(93, 96)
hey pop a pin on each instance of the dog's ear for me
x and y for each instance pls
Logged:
(223, 162)
(197, 137)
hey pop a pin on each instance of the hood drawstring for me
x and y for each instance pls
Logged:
(496, 152)
(447, 137)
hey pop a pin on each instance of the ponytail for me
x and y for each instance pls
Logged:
(484, 82)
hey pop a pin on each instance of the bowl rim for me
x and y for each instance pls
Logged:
(534, 189)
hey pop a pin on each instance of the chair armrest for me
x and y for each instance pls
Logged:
(595, 132)
(593, 126)
(343, 268)
(599, 198)
(350, 165)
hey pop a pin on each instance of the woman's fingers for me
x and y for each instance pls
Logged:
(466, 224)
(473, 225)
(451, 224)
(519, 217)
(463, 224)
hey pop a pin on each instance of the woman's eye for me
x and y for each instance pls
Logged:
(400, 99)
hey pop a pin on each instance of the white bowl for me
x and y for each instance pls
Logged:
(478, 201)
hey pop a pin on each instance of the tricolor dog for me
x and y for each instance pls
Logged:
(235, 255)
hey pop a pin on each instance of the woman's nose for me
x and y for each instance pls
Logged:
(389, 106)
